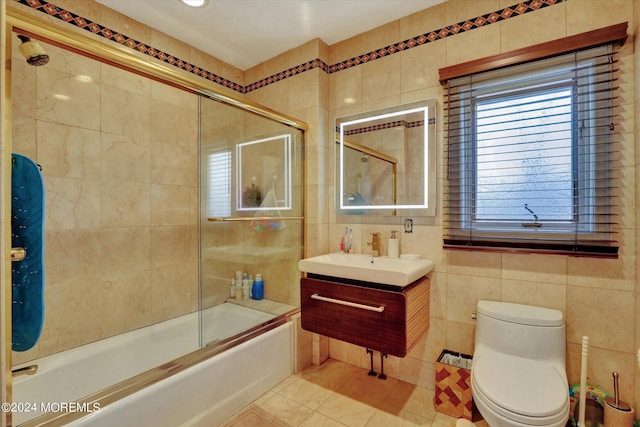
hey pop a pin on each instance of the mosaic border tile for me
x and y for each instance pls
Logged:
(442, 33)
(429, 37)
(388, 125)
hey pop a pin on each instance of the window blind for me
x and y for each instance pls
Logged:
(532, 157)
(218, 185)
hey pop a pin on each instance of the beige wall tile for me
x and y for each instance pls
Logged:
(618, 274)
(62, 99)
(587, 15)
(462, 10)
(608, 326)
(438, 296)
(346, 89)
(124, 113)
(125, 158)
(536, 268)
(474, 263)
(535, 293)
(174, 125)
(67, 151)
(423, 22)
(125, 80)
(533, 28)
(432, 343)
(304, 90)
(464, 292)
(381, 78)
(473, 44)
(72, 203)
(171, 205)
(124, 249)
(416, 73)
(125, 204)
(461, 337)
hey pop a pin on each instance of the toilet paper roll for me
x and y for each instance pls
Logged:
(394, 248)
(616, 418)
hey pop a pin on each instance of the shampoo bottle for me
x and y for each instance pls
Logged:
(232, 290)
(257, 291)
(246, 289)
(394, 245)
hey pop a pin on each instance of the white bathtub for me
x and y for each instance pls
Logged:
(212, 390)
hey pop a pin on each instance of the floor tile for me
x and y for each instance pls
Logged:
(346, 410)
(337, 394)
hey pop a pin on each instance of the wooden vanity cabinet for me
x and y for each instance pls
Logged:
(388, 321)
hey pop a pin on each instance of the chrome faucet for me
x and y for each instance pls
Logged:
(375, 244)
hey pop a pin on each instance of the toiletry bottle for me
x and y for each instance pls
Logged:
(257, 290)
(232, 290)
(239, 290)
(346, 240)
(394, 245)
(246, 288)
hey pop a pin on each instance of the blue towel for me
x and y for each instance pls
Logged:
(27, 231)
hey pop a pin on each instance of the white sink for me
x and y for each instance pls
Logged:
(385, 270)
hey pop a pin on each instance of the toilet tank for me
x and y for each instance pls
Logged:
(521, 330)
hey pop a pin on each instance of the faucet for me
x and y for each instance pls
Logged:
(375, 244)
(27, 370)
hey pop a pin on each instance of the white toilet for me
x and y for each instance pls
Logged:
(518, 374)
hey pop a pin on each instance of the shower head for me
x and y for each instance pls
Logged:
(32, 51)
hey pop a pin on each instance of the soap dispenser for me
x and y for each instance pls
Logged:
(394, 245)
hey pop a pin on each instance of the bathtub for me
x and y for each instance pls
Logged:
(226, 375)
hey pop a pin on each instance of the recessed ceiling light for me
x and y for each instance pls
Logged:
(195, 3)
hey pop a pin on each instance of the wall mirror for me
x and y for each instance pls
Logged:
(263, 180)
(386, 162)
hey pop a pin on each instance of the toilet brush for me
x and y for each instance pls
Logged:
(583, 381)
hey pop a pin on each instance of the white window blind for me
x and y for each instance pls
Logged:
(219, 184)
(531, 156)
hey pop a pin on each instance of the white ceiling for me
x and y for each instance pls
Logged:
(245, 33)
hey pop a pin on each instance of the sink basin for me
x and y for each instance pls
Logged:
(385, 270)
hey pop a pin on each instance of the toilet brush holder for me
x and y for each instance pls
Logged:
(616, 412)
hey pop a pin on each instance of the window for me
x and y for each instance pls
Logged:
(219, 184)
(530, 156)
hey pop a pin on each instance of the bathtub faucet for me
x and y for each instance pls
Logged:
(27, 370)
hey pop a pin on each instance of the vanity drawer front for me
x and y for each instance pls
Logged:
(347, 313)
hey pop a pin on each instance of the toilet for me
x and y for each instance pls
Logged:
(518, 373)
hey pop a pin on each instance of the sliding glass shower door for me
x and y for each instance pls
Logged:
(251, 218)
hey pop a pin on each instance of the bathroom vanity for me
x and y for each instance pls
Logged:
(389, 319)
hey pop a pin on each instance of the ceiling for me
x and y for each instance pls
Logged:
(245, 33)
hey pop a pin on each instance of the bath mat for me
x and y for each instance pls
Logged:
(27, 231)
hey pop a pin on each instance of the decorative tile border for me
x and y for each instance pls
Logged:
(442, 33)
(389, 125)
(435, 35)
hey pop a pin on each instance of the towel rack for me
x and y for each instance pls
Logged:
(256, 218)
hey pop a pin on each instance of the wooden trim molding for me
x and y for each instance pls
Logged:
(613, 33)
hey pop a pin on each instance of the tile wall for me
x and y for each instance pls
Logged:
(119, 156)
(578, 287)
(598, 297)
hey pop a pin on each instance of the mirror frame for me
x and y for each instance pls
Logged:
(382, 212)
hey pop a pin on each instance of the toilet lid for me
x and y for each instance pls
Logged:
(521, 386)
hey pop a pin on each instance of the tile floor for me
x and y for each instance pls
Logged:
(338, 394)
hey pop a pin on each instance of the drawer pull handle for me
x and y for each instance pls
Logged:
(348, 303)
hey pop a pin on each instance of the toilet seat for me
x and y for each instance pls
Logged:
(523, 390)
